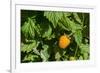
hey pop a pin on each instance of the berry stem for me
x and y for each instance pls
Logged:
(70, 34)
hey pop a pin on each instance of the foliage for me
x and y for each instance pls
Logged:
(41, 30)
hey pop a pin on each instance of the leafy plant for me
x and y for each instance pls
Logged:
(41, 32)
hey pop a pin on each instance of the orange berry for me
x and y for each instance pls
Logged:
(64, 41)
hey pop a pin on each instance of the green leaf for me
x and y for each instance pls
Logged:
(78, 37)
(84, 48)
(44, 53)
(73, 26)
(44, 29)
(58, 53)
(37, 29)
(45, 46)
(57, 56)
(67, 14)
(51, 36)
(28, 46)
(76, 29)
(86, 56)
(35, 49)
(63, 27)
(80, 58)
(47, 32)
(53, 17)
(76, 17)
(70, 25)
(30, 57)
(28, 28)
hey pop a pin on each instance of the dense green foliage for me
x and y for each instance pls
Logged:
(40, 32)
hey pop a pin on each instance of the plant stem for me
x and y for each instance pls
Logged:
(70, 34)
(83, 20)
(76, 51)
